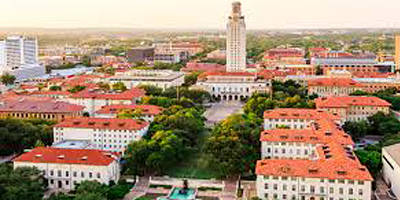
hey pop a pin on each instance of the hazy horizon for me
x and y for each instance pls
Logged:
(193, 14)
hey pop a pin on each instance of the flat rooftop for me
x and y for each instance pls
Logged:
(394, 152)
(73, 144)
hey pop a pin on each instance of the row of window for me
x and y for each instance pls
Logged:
(285, 196)
(312, 189)
(287, 120)
(74, 174)
(341, 181)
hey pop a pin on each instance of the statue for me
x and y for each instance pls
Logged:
(185, 188)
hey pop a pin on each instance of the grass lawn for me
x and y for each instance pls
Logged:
(196, 164)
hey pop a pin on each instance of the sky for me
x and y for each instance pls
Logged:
(199, 14)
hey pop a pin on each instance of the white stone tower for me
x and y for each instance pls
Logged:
(236, 40)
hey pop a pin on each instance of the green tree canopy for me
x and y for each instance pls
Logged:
(7, 79)
(119, 86)
(21, 183)
(234, 145)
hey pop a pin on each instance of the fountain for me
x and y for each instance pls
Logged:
(181, 193)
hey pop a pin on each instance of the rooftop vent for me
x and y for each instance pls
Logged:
(38, 155)
(61, 156)
(84, 158)
(341, 172)
(328, 133)
(328, 156)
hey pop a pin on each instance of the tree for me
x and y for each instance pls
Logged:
(151, 90)
(118, 191)
(17, 135)
(159, 153)
(371, 159)
(7, 79)
(359, 93)
(21, 183)
(55, 88)
(381, 124)
(258, 105)
(191, 79)
(234, 144)
(76, 89)
(356, 130)
(104, 86)
(91, 190)
(318, 70)
(171, 135)
(86, 60)
(130, 114)
(119, 86)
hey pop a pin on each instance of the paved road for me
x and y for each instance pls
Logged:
(221, 110)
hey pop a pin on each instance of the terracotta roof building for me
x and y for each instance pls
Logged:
(306, 155)
(233, 85)
(65, 168)
(93, 100)
(333, 86)
(26, 107)
(353, 108)
(147, 112)
(102, 133)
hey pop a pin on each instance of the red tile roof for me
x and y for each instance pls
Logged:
(341, 82)
(99, 94)
(68, 156)
(203, 67)
(103, 123)
(146, 109)
(206, 74)
(313, 169)
(50, 93)
(36, 105)
(333, 159)
(347, 101)
(298, 113)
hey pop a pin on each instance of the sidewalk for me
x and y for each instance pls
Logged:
(139, 189)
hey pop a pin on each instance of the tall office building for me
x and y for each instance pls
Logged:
(20, 51)
(236, 40)
(19, 56)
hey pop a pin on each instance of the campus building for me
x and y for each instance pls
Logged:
(26, 107)
(333, 86)
(233, 85)
(145, 112)
(236, 40)
(19, 56)
(101, 133)
(391, 167)
(309, 157)
(160, 78)
(353, 108)
(93, 99)
(66, 168)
